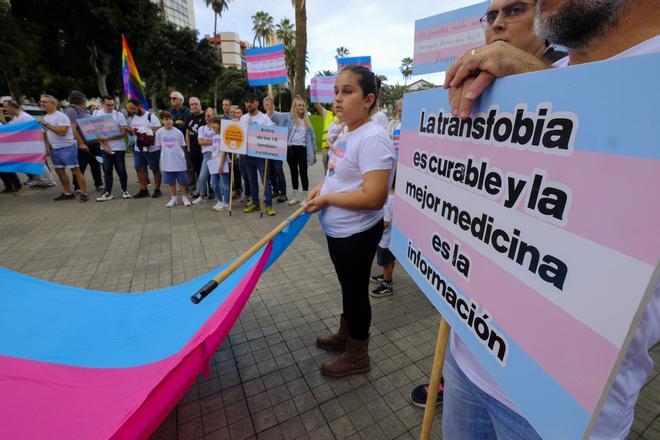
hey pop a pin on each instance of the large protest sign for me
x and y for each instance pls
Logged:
(322, 89)
(233, 137)
(266, 65)
(342, 63)
(442, 38)
(22, 148)
(532, 227)
(95, 126)
(267, 142)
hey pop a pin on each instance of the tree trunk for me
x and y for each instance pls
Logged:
(100, 64)
(301, 47)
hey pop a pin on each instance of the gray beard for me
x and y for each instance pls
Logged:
(579, 22)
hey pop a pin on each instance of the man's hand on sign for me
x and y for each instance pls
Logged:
(476, 69)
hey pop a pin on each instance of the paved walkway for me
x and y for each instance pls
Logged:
(265, 381)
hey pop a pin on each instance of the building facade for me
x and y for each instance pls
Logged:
(232, 48)
(181, 13)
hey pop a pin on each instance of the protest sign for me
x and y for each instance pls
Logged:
(532, 228)
(95, 126)
(322, 89)
(267, 142)
(347, 61)
(265, 65)
(442, 38)
(233, 137)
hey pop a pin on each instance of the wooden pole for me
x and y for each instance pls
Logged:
(434, 383)
(231, 180)
(263, 191)
(211, 285)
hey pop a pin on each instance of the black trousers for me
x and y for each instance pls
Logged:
(84, 159)
(11, 181)
(352, 257)
(296, 157)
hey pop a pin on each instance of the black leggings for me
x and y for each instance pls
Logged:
(352, 257)
(296, 157)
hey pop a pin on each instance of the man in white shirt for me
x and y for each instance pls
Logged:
(114, 151)
(63, 148)
(257, 164)
(592, 30)
(146, 154)
(275, 170)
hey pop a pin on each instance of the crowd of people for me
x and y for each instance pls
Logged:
(354, 199)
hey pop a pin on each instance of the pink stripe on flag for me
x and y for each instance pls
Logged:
(23, 158)
(264, 57)
(435, 55)
(267, 74)
(593, 183)
(21, 136)
(580, 367)
(445, 30)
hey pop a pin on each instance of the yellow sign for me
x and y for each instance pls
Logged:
(234, 137)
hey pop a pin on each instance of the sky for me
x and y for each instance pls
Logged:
(382, 29)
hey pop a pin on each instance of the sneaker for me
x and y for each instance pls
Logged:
(385, 289)
(171, 203)
(293, 200)
(200, 200)
(63, 196)
(270, 211)
(31, 183)
(419, 394)
(186, 201)
(84, 198)
(100, 189)
(378, 279)
(282, 198)
(105, 197)
(125, 195)
(220, 206)
(251, 208)
(77, 192)
(157, 194)
(142, 194)
(243, 198)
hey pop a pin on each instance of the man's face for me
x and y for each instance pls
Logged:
(131, 108)
(108, 106)
(175, 101)
(46, 105)
(575, 23)
(226, 106)
(512, 21)
(9, 109)
(195, 105)
(252, 106)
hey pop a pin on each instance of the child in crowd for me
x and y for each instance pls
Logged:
(350, 202)
(236, 113)
(220, 176)
(173, 159)
(384, 257)
(205, 139)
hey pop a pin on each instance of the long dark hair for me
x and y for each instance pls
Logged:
(368, 81)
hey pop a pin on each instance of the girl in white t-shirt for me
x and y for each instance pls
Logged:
(350, 202)
(173, 159)
(205, 138)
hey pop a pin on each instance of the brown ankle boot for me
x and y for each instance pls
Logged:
(354, 360)
(336, 341)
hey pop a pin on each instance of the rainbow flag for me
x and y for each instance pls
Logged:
(133, 86)
(84, 364)
(22, 148)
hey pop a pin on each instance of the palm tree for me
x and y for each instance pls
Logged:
(218, 7)
(406, 69)
(285, 32)
(342, 52)
(301, 46)
(290, 60)
(262, 26)
(325, 73)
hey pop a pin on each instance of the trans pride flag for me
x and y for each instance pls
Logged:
(133, 86)
(322, 89)
(84, 364)
(266, 65)
(22, 148)
(342, 63)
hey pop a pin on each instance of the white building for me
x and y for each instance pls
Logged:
(233, 49)
(181, 13)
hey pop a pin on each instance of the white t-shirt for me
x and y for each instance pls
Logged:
(216, 157)
(206, 133)
(120, 120)
(297, 136)
(147, 123)
(381, 118)
(616, 417)
(59, 119)
(357, 152)
(22, 117)
(171, 142)
(259, 119)
(388, 210)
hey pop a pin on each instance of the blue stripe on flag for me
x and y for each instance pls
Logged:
(265, 50)
(22, 167)
(20, 126)
(266, 81)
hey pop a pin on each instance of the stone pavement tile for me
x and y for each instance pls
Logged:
(323, 393)
(293, 428)
(392, 427)
(219, 434)
(214, 420)
(241, 429)
(322, 433)
(332, 409)
(191, 430)
(258, 402)
(264, 420)
(342, 427)
(360, 417)
(188, 411)
(237, 411)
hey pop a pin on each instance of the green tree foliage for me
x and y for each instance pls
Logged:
(233, 84)
(406, 68)
(263, 28)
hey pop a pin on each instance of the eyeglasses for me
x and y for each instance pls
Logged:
(510, 13)
(173, 97)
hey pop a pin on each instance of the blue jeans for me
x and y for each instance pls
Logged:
(242, 166)
(470, 414)
(254, 165)
(204, 176)
(276, 176)
(117, 162)
(220, 185)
